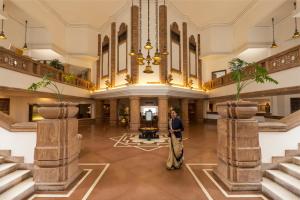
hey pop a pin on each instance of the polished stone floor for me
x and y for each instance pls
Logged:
(124, 172)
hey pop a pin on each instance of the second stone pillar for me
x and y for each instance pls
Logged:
(134, 113)
(163, 113)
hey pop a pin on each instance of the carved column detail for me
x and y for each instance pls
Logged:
(134, 113)
(163, 113)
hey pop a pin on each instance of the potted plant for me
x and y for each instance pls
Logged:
(59, 109)
(242, 77)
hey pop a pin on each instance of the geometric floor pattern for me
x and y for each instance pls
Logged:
(212, 186)
(132, 140)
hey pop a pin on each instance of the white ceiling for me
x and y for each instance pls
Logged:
(96, 12)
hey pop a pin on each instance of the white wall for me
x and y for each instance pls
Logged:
(291, 140)
(20, 143)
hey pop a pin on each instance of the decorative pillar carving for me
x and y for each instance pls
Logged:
(113, 114)
(135, 113)
(199, 64)
(113, 54)
(163, 42)
(99, 111)
(98, 62)
(185, 111)
(199, 110)
(134, 42)
(57, 148)
(239, 153)
(163, 110)
(185, 53)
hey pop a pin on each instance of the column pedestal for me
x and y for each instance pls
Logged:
(239, 154)
(134, 113)
(113, 115)
(163, 114)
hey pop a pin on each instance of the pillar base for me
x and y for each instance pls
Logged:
(234, 186)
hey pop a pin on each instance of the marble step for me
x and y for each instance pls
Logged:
(285, 180)
(12, 179)
(296, 160)
(19, 191)
(275, 191)
(6, 168)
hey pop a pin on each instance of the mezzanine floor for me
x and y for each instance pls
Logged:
(133, 172)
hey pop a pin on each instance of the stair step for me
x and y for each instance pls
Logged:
(6, 168)
(4, 152)
(12, 179)
(285, 180)
(19, 191)
(15, 159)
(296, 160)
(1, 159)
(291, 152)
(276, 192)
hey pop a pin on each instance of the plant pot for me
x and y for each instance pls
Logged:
(58, 110)
(237, 109)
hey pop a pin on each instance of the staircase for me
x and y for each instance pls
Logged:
(283, 182)
(15, 183)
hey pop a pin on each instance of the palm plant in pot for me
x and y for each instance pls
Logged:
(56, 110)
(243, 74)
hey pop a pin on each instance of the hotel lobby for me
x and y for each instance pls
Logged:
(150, 99)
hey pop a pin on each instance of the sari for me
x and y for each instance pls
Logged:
(175, 158)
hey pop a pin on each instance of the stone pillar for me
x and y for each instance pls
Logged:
(163, 110)
(199, 110)
(185, 54)
(99, 111)
(163, 42)
(56, 152)
(113, 115)
(134, 43)
(239, 154)
(135, 118)
(185, 111)
(113, 54)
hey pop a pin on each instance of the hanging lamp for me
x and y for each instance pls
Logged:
(132, 51)
(2, 35)
(156, 57)
(296, 33)
(274, 45)
(148, 46)
(165, 49)
(25, 43)
(140, 56)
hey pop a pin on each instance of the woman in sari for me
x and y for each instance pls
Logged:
(175, 159)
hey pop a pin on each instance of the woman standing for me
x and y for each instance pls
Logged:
(175, 159)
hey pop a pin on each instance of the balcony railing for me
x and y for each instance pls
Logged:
(26, 65)
(282, 61)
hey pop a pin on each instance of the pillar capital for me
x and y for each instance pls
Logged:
(134, 98)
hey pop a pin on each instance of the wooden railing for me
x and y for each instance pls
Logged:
(26, 65)
(281, 61)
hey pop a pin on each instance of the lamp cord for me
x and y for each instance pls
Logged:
(156, 21)
(25, 31)
(148, 19)
(140, 23)
(273, 29)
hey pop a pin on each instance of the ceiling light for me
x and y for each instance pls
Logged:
(274, 45)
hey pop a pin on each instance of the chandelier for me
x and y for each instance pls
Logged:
(148, 46)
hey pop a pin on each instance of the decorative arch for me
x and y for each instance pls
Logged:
(105, 58)
(175, 48)
(192, 56)
(122, 50)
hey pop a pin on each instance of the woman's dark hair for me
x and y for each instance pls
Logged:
(173, 110)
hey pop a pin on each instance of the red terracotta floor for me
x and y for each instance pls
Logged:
(134, 174)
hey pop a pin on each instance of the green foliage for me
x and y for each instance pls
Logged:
(69, 78)
(47, 83)
(243, 77)
(57, 64)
